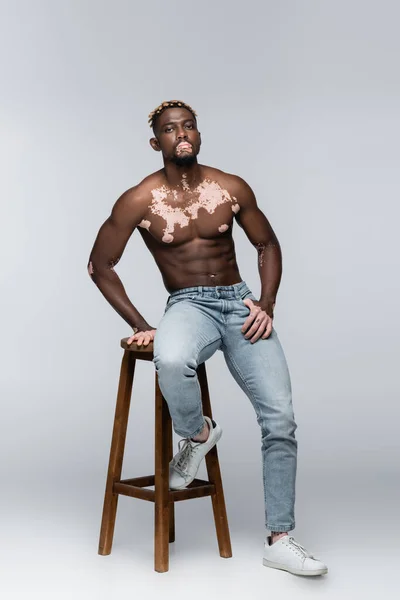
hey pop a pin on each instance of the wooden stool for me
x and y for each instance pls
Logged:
(164, 530)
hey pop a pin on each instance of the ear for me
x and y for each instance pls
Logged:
(155, 144)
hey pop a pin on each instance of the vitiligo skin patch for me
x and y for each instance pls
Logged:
(208, 195)
(261, 252)
(184, 182)
(113, 263)
(145, 224)
(111, 266)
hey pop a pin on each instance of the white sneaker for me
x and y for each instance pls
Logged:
(185, 464)
(289, 555)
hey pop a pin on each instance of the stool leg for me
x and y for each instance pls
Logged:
(214, 476)
(161, 483)
(116, 452)
(171, 504)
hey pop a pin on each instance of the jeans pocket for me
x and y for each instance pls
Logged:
(248, 294)
(179, 298)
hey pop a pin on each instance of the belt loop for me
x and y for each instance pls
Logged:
(239, 289)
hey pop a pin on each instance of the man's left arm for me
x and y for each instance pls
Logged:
(261, 235)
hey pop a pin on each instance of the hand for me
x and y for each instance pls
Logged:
(259, 320)
(143, 335)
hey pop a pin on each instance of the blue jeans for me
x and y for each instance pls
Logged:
(200, 320)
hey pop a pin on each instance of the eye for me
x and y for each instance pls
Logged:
(189, 126)
(168, 129)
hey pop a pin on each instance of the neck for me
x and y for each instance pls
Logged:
(182, 176)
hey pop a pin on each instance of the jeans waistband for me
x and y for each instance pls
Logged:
(226, 291)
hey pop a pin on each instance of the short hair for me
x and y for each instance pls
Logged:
(153, 116)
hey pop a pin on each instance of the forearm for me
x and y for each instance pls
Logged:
(270, 270)
(112, 289)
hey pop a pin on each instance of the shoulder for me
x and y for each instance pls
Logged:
(142, 190)
(150, 182)
(237, 187)
(138, 196)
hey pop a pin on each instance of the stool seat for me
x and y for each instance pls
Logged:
(143, 352)
(138, 487)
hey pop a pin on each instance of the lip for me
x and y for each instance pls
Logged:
(183, 145)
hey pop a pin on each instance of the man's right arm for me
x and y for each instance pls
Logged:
(107, 250)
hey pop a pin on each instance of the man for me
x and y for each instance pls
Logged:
(185, 213)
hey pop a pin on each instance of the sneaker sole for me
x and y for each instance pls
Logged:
(182, 487)
(268, 563)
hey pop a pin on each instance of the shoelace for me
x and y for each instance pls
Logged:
(185, 453)
(305, 552)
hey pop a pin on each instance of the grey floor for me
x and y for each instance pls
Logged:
(50, 534)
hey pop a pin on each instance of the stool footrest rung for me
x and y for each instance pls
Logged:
(145, 481)
(136, 487)
(134, 491)
(197, 489)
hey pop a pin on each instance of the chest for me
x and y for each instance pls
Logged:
(205, 212)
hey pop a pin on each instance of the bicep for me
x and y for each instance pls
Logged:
(115, 232)
(252, 220)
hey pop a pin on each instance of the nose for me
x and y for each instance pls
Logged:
(182, 134)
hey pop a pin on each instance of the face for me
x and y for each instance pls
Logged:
(177, 136)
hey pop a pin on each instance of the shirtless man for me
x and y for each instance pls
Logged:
(185, 213)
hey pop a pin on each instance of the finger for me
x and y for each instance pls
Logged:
(141, 336)
(259, 320)
(247, 325)
(133, 337)
(248, 302)
(268, 330)
(256, 337)
(146, 338)
(140, 339)
(250, 318)
(254, 328)
(256, 333)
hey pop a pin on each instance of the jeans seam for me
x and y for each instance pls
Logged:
(255, 403)
(191, 435)
(209, 344)
(169, 305)
(201, 398)
(197, 431)
(288, 527)
(212, 321)
(257, 410)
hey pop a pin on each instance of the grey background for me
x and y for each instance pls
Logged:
(301, 99)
